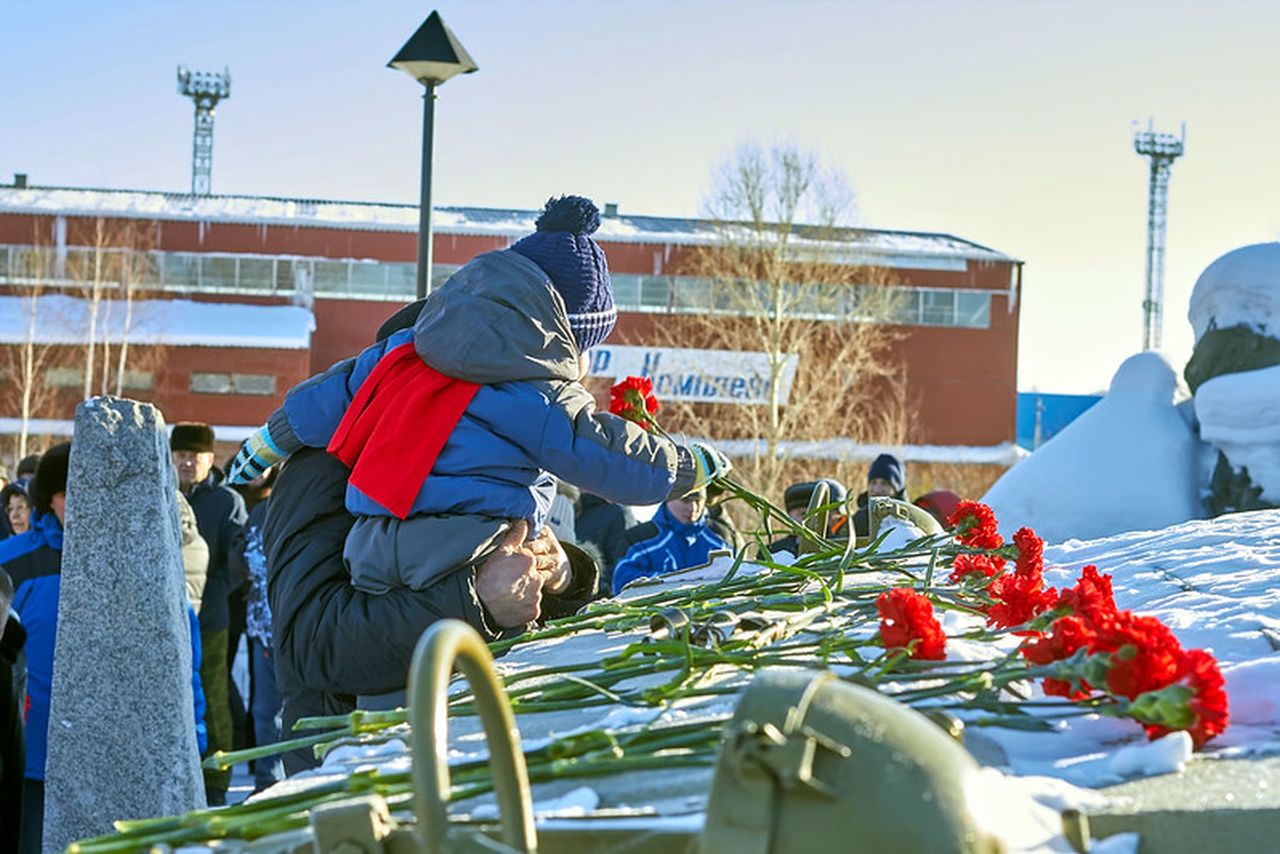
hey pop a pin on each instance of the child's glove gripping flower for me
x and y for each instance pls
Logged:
(709, 464)
(257, 454)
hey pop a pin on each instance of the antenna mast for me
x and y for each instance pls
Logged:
(1161, 149)
(206, 89)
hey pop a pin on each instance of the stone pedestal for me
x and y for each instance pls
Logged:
(1215, 805)
(122, 724)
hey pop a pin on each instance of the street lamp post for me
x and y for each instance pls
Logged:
(431, 56)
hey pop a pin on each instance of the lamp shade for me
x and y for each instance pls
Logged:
(433, 54)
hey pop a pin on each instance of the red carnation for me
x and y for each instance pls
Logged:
(970, 564)
(633, 400)
(1198, 671)
(1030, 551)
(975, 525)
(1091, 598)
(1018, 597)
(1021, 594)
(1070, 633)
(1145, 655)
(906, 616)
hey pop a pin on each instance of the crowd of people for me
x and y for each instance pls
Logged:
(457, 468)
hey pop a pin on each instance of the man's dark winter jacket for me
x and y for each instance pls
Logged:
(13, 689)
(666, 545)
(605, 525)
(333, 641)
(221, 517)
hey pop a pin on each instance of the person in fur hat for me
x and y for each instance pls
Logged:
(455, 430)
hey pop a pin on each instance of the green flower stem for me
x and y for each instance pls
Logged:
(221, 760)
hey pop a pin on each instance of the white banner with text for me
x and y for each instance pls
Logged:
(696, 376)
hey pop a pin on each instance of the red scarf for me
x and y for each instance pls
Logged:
(396, 426)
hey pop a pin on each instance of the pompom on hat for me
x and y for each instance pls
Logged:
(563, 248)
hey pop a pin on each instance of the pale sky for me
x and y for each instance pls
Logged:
(1005, 122)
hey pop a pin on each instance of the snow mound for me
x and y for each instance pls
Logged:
(1242, 288)
(1131, 462)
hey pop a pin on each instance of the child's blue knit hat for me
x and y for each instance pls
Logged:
(888, 467)
(563, 248)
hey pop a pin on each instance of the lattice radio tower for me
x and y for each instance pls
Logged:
(206, 89)
(1161, 149)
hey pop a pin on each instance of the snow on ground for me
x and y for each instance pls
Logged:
(1216, 584)
(1131, 462)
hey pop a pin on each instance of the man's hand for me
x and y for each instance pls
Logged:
(509, 582)
(553, 563)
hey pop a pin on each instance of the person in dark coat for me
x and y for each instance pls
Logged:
(13, 691)
(333, 642)
(221, 517)
(886, 478)
(454, 428)
(605, 525)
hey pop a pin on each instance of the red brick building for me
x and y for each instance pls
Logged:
(351, 264)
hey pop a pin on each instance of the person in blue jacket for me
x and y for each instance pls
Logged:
(678, 537)
(456, 429)
(34, 562)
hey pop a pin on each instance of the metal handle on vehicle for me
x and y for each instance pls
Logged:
(441, 646)
(817, 522)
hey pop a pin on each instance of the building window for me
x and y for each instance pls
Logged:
(973, 309)
(139, 380)
(74, 378)
(203, 383)
(260, 384)
(938, 308)
(64, 377)
(210, 383)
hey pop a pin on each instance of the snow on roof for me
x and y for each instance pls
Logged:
(63, 319)
(488, 222)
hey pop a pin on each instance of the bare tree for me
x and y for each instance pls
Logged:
(787, 277)
(96, 279)
(131, 268)
(25, 360)
(110, 274)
